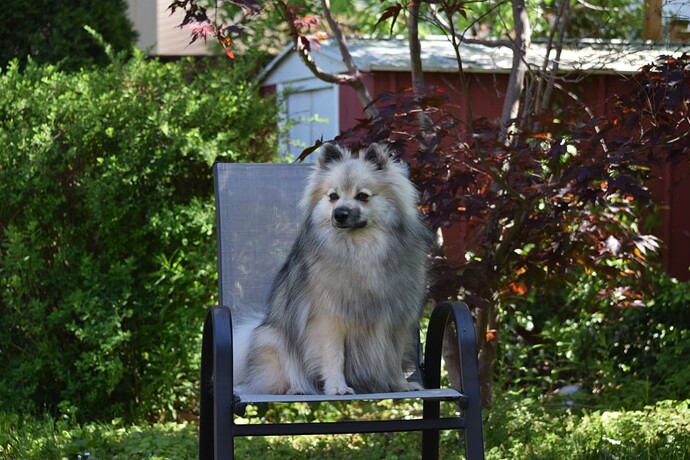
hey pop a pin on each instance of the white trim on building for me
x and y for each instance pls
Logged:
(159, 31)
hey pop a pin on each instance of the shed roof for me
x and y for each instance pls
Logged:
(438, 55)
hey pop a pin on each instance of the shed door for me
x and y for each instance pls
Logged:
(311, 114)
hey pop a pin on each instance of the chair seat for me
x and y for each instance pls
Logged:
(443, 394)
(242, 400)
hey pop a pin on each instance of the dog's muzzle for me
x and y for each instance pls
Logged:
(345, 217)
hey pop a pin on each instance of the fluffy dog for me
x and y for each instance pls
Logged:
(343, 310)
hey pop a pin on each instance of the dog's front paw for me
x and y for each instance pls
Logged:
(295, 392)
(338, 390)
(407, 386)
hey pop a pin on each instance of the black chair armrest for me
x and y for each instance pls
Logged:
(460, 314)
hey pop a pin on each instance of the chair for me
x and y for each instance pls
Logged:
(257, 218)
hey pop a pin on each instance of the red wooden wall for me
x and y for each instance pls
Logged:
(487, 89)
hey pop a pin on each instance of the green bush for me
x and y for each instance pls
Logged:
(107, 246)
(650, 346)
(629, 354)
(53, 32)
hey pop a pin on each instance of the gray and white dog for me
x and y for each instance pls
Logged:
(344, 308)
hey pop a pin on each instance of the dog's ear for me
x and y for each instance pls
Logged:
(378, 155)
(329, 154)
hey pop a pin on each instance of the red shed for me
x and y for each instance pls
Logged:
(600, 70)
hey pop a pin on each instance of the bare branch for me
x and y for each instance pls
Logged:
(446, 27)
(341, 78)
(416, 60)
(593, 7)
(562, 20)
(356, 83)
(352, 78)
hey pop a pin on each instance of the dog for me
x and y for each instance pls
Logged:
(343, 310)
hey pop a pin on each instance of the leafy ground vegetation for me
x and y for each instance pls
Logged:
(515, 428)
(631, 399)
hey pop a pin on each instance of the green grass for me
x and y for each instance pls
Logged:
(514, 429)
(538, 430)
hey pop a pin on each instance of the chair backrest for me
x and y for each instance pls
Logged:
(257, 220)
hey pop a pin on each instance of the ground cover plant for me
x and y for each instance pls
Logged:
(515, 428)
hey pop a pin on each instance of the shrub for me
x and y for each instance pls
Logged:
(630, 354)
(650, 345)
(107, 249)
(53, 32)
(522, 428)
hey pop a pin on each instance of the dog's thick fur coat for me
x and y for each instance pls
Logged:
(344, 308)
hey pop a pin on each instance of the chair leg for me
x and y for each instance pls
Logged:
(430, 438)
(222, 384)
(432, 379)
(469, 376)
(206, 419)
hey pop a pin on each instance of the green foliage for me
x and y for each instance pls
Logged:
(493, 19)
(649, 346)
(595, 19)
(53, 32)
(515, 428)
(107, 248)
(626, 356)
(27, 438)
(523, 428)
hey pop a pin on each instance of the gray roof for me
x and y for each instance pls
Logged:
(596, 56)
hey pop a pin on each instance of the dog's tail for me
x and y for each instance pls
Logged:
(243, 326)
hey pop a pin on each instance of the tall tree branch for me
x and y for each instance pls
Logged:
(562, 21)
(417, 71)
(356, 83)
(516, 81)
(352, 77)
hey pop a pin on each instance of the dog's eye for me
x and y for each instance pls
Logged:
(361, 196)
(333, 196)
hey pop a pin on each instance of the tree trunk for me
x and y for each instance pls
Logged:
(417, 72)
(357, 84)
(451, 353)
(487, 345)
(486, 325)
(511, 103)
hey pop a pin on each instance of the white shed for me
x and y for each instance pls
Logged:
(314, 109)
(310, 106)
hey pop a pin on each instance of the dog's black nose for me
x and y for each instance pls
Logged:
(341, 214)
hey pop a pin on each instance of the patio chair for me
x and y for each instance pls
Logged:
(257, 219)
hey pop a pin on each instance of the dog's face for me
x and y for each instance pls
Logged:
(350, 206)
(359, 195)
(348, 193)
